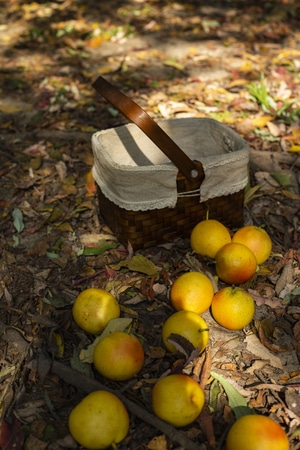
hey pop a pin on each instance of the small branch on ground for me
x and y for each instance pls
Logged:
(56, 135)
(87, 385)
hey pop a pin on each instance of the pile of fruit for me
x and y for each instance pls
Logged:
(101, 420)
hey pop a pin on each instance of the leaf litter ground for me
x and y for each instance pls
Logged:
(175, 60)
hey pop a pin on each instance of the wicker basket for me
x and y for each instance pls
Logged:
(145, 226)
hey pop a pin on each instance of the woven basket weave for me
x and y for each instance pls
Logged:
(149, 227)
(145, 229)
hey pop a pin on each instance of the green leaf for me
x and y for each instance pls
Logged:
(139, 263)
(101, 248)
(52, 255)
(18, 220)
(79, 365)
(251, 193)
(236, 401)
(172, 63)
(118, 324)
(56, 300)
(214, 393)
(16, 241)
(112, 111)
(294, 293)
(284, 178)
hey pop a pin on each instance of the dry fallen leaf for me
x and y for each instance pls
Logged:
(273, 128)
(255, 347)
(285, 278)
(138, 263)
(260, 300)
(261, 122)
(267, 335)
(158, 443)
(90, 185)
(296, 331)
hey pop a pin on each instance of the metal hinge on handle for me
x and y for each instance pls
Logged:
(133, 112)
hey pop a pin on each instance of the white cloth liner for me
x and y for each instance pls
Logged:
(135, 174)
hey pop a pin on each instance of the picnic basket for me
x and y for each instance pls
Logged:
(157, 180)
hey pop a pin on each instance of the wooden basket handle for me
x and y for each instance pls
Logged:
(133, 112)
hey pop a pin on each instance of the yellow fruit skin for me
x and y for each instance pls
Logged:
(93, 309)
(257, 239)
(177, 399)
(208, 236)
(233, 308)
(119, 356)
(192, 291)
(235, 263)
(189, 325)
(99, 421)
(255, 432)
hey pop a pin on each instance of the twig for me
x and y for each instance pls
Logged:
(206, 369)
(87, 385)
(57, 136)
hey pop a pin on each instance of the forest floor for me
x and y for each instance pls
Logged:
(237, 62)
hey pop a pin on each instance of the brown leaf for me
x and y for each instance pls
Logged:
(205, 420)
(33, 443)
(285, 278)
(258, 349)
(156, 352)
(158, 443)
(292, 399)
(205, 367)
(273, 128)
(260, 400)
(40, 247)
(296, 330)
(260, 300)
(90, 185)
(266, 332)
